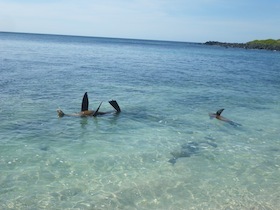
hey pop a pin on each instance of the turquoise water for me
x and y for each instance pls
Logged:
(165, 91)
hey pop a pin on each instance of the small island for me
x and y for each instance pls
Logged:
(268, 44)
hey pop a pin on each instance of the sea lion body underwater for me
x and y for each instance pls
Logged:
(218, 116)
(189, 149)
(85, 112)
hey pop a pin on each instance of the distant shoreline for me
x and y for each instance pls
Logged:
(268, 44)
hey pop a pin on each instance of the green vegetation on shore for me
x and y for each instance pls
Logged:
(268, 44)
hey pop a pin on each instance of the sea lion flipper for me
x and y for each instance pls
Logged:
(219, 112)
(172, 161)
(234, 123)
(85, 103)
(115, 105)
(60, 113)
(96, 112)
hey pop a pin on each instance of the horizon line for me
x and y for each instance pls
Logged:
(105, 37)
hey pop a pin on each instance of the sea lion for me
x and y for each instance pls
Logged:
(85, 112)
(218, 116)
(189, 149)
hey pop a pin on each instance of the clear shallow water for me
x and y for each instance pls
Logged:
(165, 91)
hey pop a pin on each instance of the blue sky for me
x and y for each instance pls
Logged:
(175, 20)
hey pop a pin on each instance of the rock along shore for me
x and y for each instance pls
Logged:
(257, 44)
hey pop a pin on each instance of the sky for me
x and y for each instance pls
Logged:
(172, 20)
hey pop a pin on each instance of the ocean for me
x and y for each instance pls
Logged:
(162, 151)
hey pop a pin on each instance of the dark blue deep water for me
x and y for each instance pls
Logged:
(165, 91)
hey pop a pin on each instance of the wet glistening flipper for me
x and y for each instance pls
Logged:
(85, 103)
(115, 105)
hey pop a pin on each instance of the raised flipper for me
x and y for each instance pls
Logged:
(115, 105)
(219, 112)
(60, 113)
(85, 103)
(96, 112)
